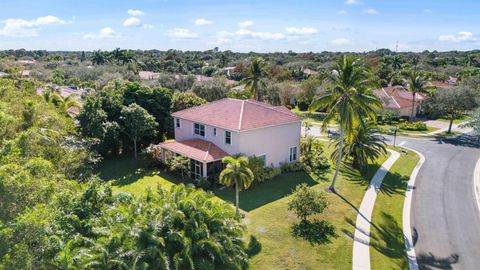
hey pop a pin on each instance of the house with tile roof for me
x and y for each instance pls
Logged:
(399, 99)
(207, 133)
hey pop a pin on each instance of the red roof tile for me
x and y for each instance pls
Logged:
(235, 114)
(397, 97)
(197, 149)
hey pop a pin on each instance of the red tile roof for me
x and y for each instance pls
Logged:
(235, 114)
(197, 149)
(310, 72)
(397, 97)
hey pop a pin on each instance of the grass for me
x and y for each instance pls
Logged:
(267, 217)
(386, 129)
(313, 118)
(387, 246)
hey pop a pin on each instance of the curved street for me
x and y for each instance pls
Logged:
(445, 216)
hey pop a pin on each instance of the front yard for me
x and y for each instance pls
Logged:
(267, 217)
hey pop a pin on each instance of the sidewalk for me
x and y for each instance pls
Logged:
(361, 239)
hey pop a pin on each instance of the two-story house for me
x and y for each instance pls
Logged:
(207, 133)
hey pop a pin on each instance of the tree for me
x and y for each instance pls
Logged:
(210, 90)
(91, 119)
(236, 174)
(99, 58)
(306, 202)
(254, 82)
(349, 100)
(475, 121)
(365, 145)
(178, 164)
(185, 100)
(414, 82)
(451, 103)
(397, 62)
(137, 123)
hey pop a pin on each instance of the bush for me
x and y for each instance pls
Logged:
(416, 126)
(307, 202)
(289, 167)
(262, 173)
(390, 116)
(312, 157)
(302, 106)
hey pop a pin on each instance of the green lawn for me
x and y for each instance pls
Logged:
(267, 217)
(386, 129)
(387, 246)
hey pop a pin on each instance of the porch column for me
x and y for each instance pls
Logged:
(204, 164)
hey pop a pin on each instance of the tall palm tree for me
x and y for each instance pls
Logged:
(415, 82)
(99, 58)
(397, 62)
(349, 100)
(254, 81)
(237, 174)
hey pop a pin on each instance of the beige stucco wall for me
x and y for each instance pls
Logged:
(273, 141)
(185, 132)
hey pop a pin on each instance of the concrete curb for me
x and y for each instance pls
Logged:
(407, 206)
(361, 239)
(476, 183)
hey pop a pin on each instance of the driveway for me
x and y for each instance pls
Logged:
(445, 216)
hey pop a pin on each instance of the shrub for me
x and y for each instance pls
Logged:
(288, 167)
(260, 171)
(390, 116)
(313, 157)
(302, 105)
(416, 126)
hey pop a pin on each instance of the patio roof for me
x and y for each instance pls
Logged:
(197, 149)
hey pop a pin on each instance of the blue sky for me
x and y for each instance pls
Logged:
(251, 25)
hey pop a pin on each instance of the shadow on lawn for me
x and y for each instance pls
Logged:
(125, 170)
(267, 192)
(393, 183)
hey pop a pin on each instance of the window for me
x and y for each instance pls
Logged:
(199, 129)
(228, 137)
(214, 131)
(293, 154)
(198, 169)
(177, 122)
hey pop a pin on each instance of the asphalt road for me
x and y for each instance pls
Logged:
(445, 216)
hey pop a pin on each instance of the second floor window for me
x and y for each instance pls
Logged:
(177, 122)
(199, 129)
(228, 137)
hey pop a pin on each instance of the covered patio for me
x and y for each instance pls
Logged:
(205, 157)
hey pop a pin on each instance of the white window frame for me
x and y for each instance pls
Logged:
(293, 156)
(199, 130)
(178, 123)
(225, 137)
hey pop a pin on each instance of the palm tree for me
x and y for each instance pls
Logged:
(415, 82)
(349, 101)
(99, 58)
(237, 174)
(127, 56)
(254, 81)
(66, 257)
(397, 62)
(365, 145)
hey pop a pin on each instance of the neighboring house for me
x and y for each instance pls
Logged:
(228, 70)
(148, 75)
(25, 73)
(398, 99)
(207, 133)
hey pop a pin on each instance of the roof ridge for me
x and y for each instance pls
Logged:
(392, 97)
(268, 106)
(203, 105)
(240, 120)
(208, 151)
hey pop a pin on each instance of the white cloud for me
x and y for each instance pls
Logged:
(427, 10)
(245, 24)
(340, 41)
(106, 32)
(460, 37)
(301, 31)
(259, 35)
(202, 21)
(342, 12)
(135, 12)
(27, 28)
(132, 21)
(148, 26)
(371, 11)
(181, 33)
(352, 2)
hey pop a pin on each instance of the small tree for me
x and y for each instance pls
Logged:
(179, 164)
(185, 100)
(236, 174)
(307, 202)
(137, 124)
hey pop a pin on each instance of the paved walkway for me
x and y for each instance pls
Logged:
(361, 242)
